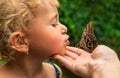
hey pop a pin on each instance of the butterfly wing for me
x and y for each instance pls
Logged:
(88, 40)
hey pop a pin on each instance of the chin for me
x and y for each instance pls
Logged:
(61, 52)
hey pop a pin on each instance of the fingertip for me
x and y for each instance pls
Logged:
(72, 48)
(56, 56)
(104, 49)
(100, 48)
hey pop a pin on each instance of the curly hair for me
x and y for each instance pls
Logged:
(14, 16)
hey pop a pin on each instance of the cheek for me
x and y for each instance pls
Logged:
(55, 43)
(48, 43)
(58, 45)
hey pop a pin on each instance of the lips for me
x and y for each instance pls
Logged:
(67, 42)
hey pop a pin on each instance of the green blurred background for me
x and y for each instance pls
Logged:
(105, 15)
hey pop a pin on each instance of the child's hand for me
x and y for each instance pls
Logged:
(97, 64)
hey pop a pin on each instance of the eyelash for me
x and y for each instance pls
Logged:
(55, 24)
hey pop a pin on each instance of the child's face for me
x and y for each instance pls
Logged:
(47, 35)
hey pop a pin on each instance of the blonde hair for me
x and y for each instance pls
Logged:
(14, 16)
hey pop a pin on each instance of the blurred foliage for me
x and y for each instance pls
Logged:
(104, 14)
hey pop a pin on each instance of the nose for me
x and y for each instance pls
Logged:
(63, 29)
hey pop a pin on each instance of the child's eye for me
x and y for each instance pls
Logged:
(55, 24)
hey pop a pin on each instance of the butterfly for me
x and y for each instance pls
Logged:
(88, 40)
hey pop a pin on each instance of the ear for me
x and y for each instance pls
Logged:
(19, 41)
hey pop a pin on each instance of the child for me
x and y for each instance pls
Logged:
(30, 32)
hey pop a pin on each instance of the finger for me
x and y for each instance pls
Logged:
(72, 49)
(68, 58)
(71, 54)
(65, 61)
(62, 59)
(75, 50)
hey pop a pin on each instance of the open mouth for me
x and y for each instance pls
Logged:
(67, 42)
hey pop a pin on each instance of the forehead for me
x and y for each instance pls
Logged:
(46, 10)
(43, 15)
(46, 5)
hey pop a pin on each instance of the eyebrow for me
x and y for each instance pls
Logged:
(54, 16)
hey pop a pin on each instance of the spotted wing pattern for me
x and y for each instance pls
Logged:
(88, 40)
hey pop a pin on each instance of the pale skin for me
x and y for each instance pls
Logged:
(46, 37)
(101, 63)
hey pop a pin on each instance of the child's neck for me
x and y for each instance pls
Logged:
(26, 65)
